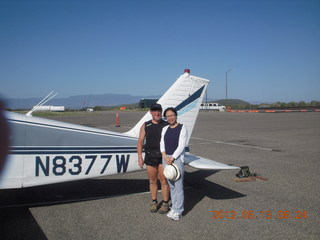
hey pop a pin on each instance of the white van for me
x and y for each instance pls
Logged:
(212, 106)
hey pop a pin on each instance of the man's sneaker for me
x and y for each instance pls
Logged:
(170, 213)
(164, 208)
(154, 207)
(176, 216)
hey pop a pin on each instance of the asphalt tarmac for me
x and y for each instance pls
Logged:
(284, 148)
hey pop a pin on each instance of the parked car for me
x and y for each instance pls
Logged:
(212, 106)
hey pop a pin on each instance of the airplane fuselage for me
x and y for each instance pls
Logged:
(49, 151)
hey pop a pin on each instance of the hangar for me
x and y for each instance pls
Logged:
(147, 102)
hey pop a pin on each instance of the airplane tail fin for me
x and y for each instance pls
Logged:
(185, 95)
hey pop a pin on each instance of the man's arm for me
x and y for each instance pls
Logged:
(142, 135)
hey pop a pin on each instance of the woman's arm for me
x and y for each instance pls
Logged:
(162, 146)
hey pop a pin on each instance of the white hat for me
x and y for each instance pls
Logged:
(171, 172)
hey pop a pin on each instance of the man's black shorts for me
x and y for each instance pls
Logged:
(153, 158)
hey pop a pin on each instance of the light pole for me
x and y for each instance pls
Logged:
(227, 87)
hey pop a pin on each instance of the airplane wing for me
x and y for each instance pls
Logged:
(206, 164)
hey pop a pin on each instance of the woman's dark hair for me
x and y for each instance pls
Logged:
(170, 109)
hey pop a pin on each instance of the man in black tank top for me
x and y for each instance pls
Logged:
(149, 139)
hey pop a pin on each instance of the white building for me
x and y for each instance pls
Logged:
(49, 108)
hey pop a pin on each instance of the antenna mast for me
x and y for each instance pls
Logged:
(43, 101)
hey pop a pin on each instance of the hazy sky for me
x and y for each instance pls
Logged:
(77, 47)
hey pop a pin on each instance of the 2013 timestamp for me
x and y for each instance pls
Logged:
(265, 214)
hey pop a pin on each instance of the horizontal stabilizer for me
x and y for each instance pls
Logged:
(204, 163)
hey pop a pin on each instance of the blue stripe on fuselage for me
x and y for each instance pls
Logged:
(70, 150)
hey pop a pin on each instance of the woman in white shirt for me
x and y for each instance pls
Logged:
(172, 147)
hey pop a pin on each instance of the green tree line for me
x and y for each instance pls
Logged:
(301, 104)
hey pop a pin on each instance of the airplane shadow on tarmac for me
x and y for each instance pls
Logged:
(17, 221)
(200, 187)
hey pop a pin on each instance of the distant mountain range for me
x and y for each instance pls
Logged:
(83, 101)
(76, 102)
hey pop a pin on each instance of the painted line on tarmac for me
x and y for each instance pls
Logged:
(232, 144)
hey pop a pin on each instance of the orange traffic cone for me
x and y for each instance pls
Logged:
(117, 120)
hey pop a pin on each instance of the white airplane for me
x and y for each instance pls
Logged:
(43, 151)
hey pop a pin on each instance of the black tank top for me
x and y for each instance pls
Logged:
(153, 134)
